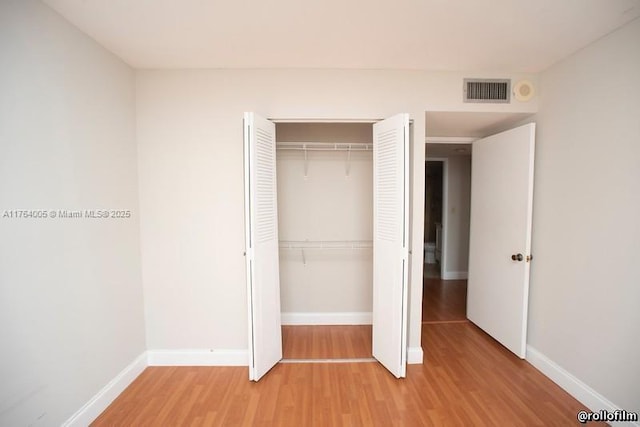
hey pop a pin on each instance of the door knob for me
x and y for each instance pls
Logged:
(517, 257)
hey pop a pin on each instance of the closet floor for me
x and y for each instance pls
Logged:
(326, 342)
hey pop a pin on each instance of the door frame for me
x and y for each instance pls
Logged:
(407, 219)
(462, 140)
(471, 140)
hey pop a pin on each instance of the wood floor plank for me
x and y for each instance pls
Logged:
(467, 379)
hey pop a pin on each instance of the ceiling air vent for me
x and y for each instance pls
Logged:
(487, 90)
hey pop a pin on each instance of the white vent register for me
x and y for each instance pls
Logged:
(496, 91)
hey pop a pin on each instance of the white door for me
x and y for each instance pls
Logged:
(500, 235)
(391, 242)
(261, 243)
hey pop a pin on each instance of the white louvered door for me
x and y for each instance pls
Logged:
(261, 243)
(391, 242)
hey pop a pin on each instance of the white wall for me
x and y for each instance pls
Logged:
(327, 205)
(458, 216)
(191, 180)
(71, 310)
(585, 281)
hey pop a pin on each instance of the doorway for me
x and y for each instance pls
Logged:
(390, 240)
(447, 201)
(325, 226)
(498, 242)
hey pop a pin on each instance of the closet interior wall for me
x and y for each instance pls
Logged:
(325, 196)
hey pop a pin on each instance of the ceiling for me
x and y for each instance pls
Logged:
(469, 35)
(470, 124)
(447, 150)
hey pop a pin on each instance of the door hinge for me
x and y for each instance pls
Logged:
(529, 258)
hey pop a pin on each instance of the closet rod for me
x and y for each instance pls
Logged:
(323, 146)
(322, 244)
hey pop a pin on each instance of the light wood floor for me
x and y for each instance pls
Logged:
(467, 379)
(444, 300)
(326, 342)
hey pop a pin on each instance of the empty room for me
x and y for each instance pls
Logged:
(405, 213)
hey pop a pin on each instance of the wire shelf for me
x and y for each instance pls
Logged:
(326, 244)
(323, 146)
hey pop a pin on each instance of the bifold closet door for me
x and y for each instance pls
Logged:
(391, 242)
(261, 245)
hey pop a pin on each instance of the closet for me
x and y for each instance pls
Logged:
(326, 216)
(325, 221)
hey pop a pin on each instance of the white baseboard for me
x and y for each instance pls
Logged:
(572, 385)
(455, 275)
(198, 357)
(98, 403)
(345, 318)
(415, 356)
